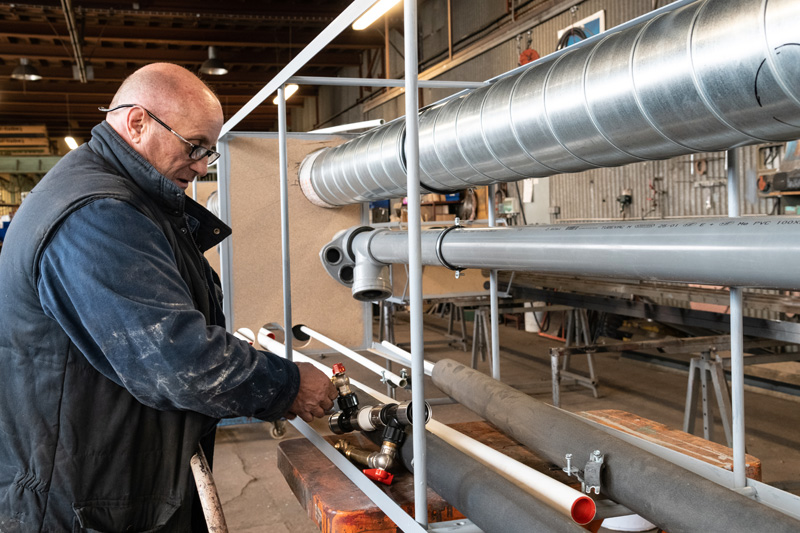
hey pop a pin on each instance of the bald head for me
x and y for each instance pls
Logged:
(167, 90)
(181, 100)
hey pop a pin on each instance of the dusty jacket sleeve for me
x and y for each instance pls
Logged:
(109, 279)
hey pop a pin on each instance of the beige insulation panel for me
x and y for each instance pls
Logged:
(317, 300)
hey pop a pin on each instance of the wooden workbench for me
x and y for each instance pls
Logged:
(337, 506)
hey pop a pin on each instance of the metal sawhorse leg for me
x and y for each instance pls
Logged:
(699, 370)
(480, 336)
(577, 330)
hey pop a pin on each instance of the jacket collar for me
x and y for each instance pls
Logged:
(108, 144)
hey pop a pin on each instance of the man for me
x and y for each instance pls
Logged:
(114, 360)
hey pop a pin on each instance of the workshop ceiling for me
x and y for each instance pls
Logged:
(254, 38)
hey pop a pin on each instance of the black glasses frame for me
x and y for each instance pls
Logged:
(196, 152)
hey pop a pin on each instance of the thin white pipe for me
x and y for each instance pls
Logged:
(339, 24)
(284, 190)
(352, 126)
(383, 82)
(375, 367)
(737, 341)
(565, 499)
(415, 261)
(405, 356)
(494, 314)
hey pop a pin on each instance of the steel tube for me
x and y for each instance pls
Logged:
(494, 311)
(414, 247)
(718, 251)
(737, 342)
(673, 498)
(705, 76)
(284, 191)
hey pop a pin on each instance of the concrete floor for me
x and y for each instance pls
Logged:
(256, 498)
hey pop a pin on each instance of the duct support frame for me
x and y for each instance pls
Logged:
(737, 340)
(411, 84)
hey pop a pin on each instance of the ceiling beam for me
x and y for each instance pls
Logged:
(144, 55)
(260, 38)
(116, 75)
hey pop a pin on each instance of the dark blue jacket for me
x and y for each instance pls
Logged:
(114, 362)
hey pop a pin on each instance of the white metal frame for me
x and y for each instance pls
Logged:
(411, 83)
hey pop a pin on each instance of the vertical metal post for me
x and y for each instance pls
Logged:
(194, 189)
(737, 340)
(226, 246)
(415, 262)
(449, 30)
(386, 56)
(494, 316)
(284, 173)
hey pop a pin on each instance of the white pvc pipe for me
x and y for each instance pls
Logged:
(358, 358)
(245, 334)
(565, 499)
(406, 357)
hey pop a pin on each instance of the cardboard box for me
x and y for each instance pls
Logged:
(446, 218)
(427, 213)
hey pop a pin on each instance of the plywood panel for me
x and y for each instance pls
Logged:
(317, 300)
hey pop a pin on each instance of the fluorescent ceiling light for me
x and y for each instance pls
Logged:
(287, 92)
(71, 142)
(374, 13)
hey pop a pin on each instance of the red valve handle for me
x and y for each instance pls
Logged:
(338, 368)
(380, 475)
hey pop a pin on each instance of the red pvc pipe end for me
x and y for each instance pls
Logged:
(583, 510)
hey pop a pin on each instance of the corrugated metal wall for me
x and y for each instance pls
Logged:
(659, 189)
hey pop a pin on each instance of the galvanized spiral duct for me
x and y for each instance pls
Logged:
(711, 75)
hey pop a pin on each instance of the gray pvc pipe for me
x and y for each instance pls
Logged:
(489, 500)
(721, 251)
(673, 498)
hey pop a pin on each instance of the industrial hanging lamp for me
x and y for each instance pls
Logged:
(213, 65)
(25, 71)
(374, 13)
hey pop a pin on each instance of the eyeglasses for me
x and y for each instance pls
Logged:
(196, 152)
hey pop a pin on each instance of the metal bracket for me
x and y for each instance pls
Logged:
(590, 477)
(440, 241)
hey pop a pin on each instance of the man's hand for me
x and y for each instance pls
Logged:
(315, 396)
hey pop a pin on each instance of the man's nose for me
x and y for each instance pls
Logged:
(200, 167)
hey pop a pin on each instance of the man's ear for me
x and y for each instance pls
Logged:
(134, 124)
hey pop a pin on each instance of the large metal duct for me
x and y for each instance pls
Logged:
(673, 498)
(711, 75)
